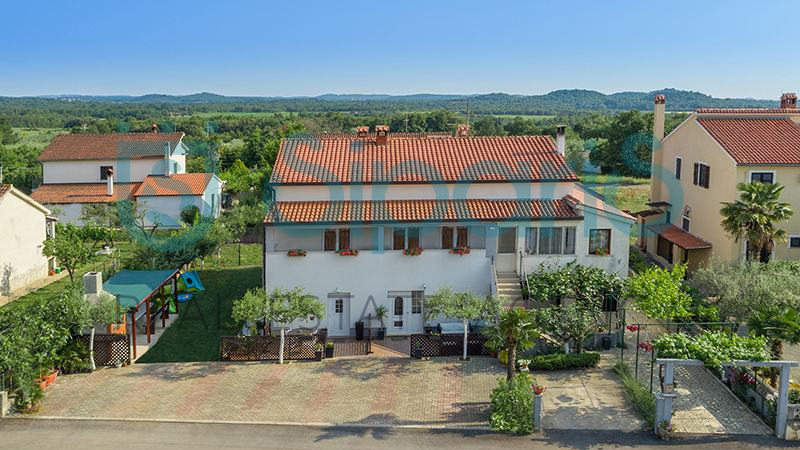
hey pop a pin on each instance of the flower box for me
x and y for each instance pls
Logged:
(348, 252)
(296, 252)
(460, 251)
(413, 251)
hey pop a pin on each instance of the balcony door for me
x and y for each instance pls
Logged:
(506, 260)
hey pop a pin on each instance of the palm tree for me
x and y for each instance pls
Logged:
(779, 326)
(754, 218)
(515, 329)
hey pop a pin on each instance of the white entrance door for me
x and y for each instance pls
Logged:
(414, 307)
(338, 314)
(399, 320)
(506, 260)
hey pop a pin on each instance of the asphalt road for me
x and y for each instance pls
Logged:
(89, 435)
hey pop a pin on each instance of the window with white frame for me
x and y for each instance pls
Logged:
(794, 241)
(600, 241)
(416, 302)
(685, 223)
(762, 177)
(550, 240)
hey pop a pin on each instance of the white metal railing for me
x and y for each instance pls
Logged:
(493, 287)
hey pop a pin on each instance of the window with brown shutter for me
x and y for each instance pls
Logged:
(330, 240)
(463, 237)
(399, 238)
(344, 238)
(413, 238)
(447, 237)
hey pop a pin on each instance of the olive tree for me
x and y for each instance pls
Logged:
(69, 248)
(282, 306)
(463, 306)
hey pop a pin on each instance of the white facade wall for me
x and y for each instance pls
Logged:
(375, 275)
(425, 191)
(22, 234)
(134, 170)
(166, 210)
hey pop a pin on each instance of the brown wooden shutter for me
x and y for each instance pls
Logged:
(344, 238)
(330, 240)
(399, 238)
(463, 237)
(413, 238)
(447, 237)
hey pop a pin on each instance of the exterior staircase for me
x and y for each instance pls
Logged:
(509, 288)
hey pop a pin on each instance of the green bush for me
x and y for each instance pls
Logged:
(712, 347)
(638, 394)
(559, 361)
(512, 405)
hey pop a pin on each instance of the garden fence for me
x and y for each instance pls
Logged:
(109, 349)
(267, 348)
(448, 344)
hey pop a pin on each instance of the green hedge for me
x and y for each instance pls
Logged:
(512, 405)
(559, 361)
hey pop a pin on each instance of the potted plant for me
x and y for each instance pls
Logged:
(460, 251)
(296, 252)
(416, 251)
(523, 364)
(601, 252)
(418, 351)
(119, 327)
(318, 352)
(329, 350)
(381, 312)
(348, 252)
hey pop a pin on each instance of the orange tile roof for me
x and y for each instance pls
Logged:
(748, 111)
(418, 211)
(753, 141)
(416, 159)
(679, 237)
(82, 193)
(67, 147)
(178, 184)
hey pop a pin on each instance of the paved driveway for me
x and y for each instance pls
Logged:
(392, 391)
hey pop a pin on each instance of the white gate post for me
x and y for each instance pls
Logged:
(783, 402)
(537, 412)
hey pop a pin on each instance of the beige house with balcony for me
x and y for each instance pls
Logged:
(384, 219)
(698, 166)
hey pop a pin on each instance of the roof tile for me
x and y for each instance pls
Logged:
(67, 147)
(177, 184)
(753, 141)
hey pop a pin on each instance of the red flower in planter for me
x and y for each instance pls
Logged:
(460, 251)
(416, 251)
(646, 346)
(538, 389)
(632, 327)
(348, 252)
(296, 252)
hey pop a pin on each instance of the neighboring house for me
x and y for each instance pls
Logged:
(148, 168)
(512, 202)
(24, 226)
(698, 167)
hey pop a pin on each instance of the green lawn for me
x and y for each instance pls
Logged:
(189, 339)
(38, 137)
(613, 179)
(631, 198)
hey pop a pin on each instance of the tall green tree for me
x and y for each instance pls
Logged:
(69, 248)
(611, 154)
(282, 306)
(660, 293)
(516, 329)
(463, 306)
(779, 326)
(754, 218)
(570, 325)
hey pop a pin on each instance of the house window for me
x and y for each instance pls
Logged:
(531, 239)
(447, 237)
(330, 241)
(103, 170)
(702, 175)
(507, 242)
(685, 224)
(550, 241)
(416, 302)
(344, 238)
(339, 306)
(600, 241)
(399, 235)
(462, 237)
(678, 167)
(413, 238)
(664, 249)
(794, 242)
(762, 177)
(398, 312)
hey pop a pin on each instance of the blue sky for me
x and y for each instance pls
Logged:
(730, 49)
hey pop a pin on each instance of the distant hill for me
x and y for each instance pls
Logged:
(561, 101)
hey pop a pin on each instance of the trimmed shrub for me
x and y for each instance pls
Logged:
(560, 361)
(512, 405)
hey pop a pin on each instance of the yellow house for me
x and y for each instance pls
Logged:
(697, 167)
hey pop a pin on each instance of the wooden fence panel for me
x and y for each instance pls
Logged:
(267, 348)
(109, 349)
(449, 344)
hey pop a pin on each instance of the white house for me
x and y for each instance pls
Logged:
(24, 225)
(510, 204)
(149, 168)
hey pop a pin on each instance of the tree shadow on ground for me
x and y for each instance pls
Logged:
(176, 371)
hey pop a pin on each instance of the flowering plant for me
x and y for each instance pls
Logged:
(601, 252)
(646, 346)
(416, 251)
(632, 327)
(460, 251)
(348, 252)
(296, 252)
(538, 389)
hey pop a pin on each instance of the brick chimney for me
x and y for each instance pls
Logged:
(561, 139)
(109, 182)
(381, 134)
(362, 131)
(659, 109)
(462, 130)
(789, 100)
